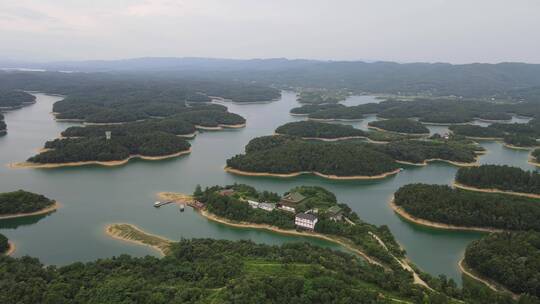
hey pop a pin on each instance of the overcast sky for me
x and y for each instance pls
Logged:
(457, 31)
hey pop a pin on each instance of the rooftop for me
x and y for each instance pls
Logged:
(333, 210)
(294, 197)
(306, 216)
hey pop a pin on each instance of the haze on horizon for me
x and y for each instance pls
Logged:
(455, 31)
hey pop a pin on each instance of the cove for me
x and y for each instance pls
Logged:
(93, 196)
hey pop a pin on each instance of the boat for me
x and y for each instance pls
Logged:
(182, 207)
(158, 204)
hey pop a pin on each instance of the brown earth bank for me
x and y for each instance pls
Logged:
(221, 127)
(294, 174)
(494, 190)
(400, 133)
(101, 163)
(159, 243)
(489, 283)
(427, 161)
(11, 250)
(509, 146)
(411, 218)
(47, 210)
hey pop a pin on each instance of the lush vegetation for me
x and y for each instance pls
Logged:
(236, 208)
(288, 155)
(4, 244)
(511, 259)
(440, 203)
(500, 177)
(520, 140)
(400, 125)
(477, 131)
(312, 108)
(536, 155)
(11, 99)
(22, 202)
(515, 134)
(495, 116)
(318, 97)
(315, 129)
(418, 151)
(117, 148)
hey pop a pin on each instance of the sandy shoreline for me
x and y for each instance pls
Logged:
(533, 161)
(111, 231)
(427, 161)
(334, 177)
(335, 119)
(509, 146)
(325, 139)
(403, 214)
(101, 163)
(47, 210)
(395, 132)
(11, 250)
(494, 190)
(220, 127)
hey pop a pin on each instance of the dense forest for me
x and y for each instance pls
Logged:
(515, 134)
(285, 155)
(418, 151)
(315, 129)
(85, 149)
(4, 244)
(500, 177)
(477, 131)
(318, 97)
(236, 208)
(400, 125)
(536, 155)
(22, 202)
(510, 258)
(442, 204)
(11, 99)
(3, 126)
(309, 108)
(519, 140)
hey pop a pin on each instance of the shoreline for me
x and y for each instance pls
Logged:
(295, 174)
(427, 161)
(47, 210)
(111, 163)
(336, 119)
(509, 146)
(533, 161)
(221, 127)
(11, 249)
(325, 139)
(488, 282)
(399, 133)
(494, 190)
(418, 221)
(111, 231)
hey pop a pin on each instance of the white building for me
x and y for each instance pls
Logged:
(267, 206)
(253, 204)
(287, 208)
(306, 220)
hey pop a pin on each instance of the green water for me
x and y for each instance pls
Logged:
(95, 196)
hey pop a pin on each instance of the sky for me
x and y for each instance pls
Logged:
(455, 31)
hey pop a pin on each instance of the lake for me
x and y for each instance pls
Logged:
(94, 196)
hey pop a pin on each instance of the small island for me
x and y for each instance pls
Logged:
(400, 125)
(113, 151)
(320, 130)
(441, 206)
(11, 99)
(507, 261)
(22, 203)
(500, 179)
(287, 157)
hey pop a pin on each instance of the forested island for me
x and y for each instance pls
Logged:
(445, 207)
(500, 178)
(400, 125)
(22, 203)
(319, 130)
(312, 108)
(511, 259)
(12, 99)
(285, 156)
(317, 97)
(115, 151)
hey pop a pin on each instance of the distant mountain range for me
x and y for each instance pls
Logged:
(517, 80)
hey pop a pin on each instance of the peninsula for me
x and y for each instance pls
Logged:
(22, 203)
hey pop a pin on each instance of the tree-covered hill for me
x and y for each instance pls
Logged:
(419, 151)
(510, 258)
(442, 204)
(151, 144)
(504, 178)
(309, 108)
(11, 99)
(283, 156)
(313, 129)
(22, 202)
(400, 125)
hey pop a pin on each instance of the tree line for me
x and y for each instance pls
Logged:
(316, 129)
(12, 99)
(500, 177)
(443, 204)
(400, 125)
(21, 201)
